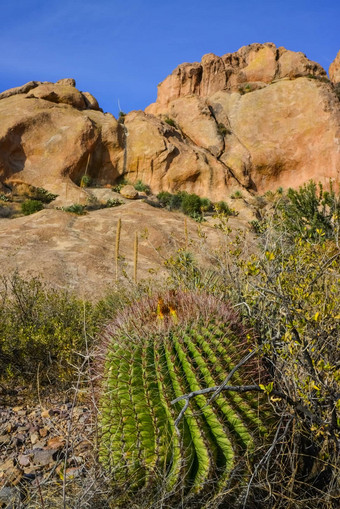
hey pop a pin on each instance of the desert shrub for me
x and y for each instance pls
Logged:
(170, 121)
(190, 204)
(164, 197)
(30, 206)
(113, 203)
(309, 211)
(144, 188)
(237, 195)
(223, 208)
(157, 350)
(3, 197)
(75, 208)
(121, 117)
(42, 331)
(43, 195)
(121, 182)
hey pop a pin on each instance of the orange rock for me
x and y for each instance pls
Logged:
(334, 69)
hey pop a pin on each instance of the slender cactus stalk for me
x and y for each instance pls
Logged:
(186, 232)
(88, 162)
(119, 227)
(135, 258)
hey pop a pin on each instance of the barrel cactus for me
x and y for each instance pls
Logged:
(156, 351)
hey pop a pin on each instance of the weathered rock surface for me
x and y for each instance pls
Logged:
(334, 69)
(259, 63)
(259, 118)
(129, 192)
(77, 252)
(269, 115)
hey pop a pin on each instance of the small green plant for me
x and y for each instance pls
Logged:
(113, 203)
(143, 188)
(237, 195)
(31, 206)
(85, 181)
(223, 208)
(258, 227)
(121, 117)
(75, 208)
(170, 121)
(3, 197)
(222, 129)
(121, 182)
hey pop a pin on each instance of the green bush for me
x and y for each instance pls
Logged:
(170, 121)
(121, 182)
(42, 331)
(190, 204)
(43, 195)
(113, 203)
(164, 198)
(75, 208)
(309, 211)
(223, 208)
(30, 206)
(144, 188)
(121, 117)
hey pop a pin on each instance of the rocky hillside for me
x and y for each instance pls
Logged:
(257, 119)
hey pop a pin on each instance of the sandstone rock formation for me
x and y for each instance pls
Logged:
(269, 115)
(334, 69)
(255, 63)
(77, 252)
(48, 138)
(259, 118)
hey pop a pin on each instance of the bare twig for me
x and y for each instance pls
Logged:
(235, 368)
(267, 456)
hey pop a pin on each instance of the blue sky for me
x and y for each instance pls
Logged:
(120, 50)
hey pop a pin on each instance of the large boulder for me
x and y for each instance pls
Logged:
(48, 139)
(268, 115)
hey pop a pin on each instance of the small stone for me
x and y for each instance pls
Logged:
(34, 438)
(56, 442)
(44, 457)
(19, 439)
(5, 439)
(23, 460)
(43, 432)
(129, 192)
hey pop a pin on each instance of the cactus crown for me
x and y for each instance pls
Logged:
(157, 350)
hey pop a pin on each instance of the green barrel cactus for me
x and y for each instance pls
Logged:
(156, 351)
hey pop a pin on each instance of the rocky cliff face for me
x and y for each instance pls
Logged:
(259, 118)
